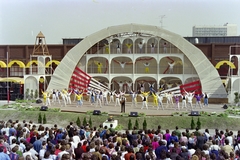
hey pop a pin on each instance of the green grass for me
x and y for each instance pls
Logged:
(167, 122)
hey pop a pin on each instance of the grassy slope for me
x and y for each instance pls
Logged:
(170, 122)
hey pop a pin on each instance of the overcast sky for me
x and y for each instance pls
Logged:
(22, 20)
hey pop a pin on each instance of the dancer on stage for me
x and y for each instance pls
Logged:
(146, 67)
(198, 100)
(184, 104)
(69, 97)
(205, 96)
(44, 97)
(58, 93)
(190, 96)
(117, 95)
(169, 96)
(104, 94)
(54, 95)
(98, 99)
(144, 101)
(160, 98)
(107, 50)
(48, 103)
(134, 98)
(155, 99)
(177, 99)
(79, 98)
(111, 94)
(151, 87)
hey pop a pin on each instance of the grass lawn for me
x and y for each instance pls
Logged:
(167, 122)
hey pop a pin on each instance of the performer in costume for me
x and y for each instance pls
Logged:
(140, 45)
(177, 98)
(198, 100)
(152, 47)
(169, 98)
(144, 102)
(142, 88)
(117, 95)
(58, 93)
(134, 98)
(48, 103)
(111, 94)
(129, 48)
(151, 87)
(190, 96)
(165, 47)
(69, 97)
(105, 100)
(171, 67)
(205, 96)
(44, 98)
(118, 48)
(107, 51)
(146, 67)
(155, 99)
(160, 98)
(184, 104)
(99, 66)
(129, 85)
(54, 99)
(98, 99)
(120, 83)
(79, 98)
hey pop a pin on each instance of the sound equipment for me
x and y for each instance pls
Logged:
(38, 101)
(96, 112)
(195, 113)
(133, 114)
(43, 108)
(225, 106)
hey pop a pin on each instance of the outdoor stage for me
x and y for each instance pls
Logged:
(112, 110)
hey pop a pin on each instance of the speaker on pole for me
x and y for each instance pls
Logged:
(225, 106)
(195, 113)
(133, 114)
(96, 112)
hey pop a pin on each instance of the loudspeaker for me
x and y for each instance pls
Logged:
(133, 114)
(225, 106)
(43, 108)
(195, 113)
(96, 112)
(38, 101)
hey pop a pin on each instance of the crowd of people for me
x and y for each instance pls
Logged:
(29, 141)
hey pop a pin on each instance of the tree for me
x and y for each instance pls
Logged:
(44, 119)
(40, 118)
(236, 99)
(27, 94)
(78, 122)
(36, 94)
(84, 122)
(90, 122)
(136, 124)
(198, 123)
(144, 124)
(31, 94)
(129, 124)
(192, 124)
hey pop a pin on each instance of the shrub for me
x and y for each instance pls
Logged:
(136, 126)
(90, 122)
(84, 122)
(129, 124)
(198, 123)
(192, 124)
(78, 122)
(44, 119)
(144, 124)
(40, 118)
(36, 94)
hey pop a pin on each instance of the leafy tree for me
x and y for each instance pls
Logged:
(36, 94)
(44, 119)
(144, 124)
(78, 122)
(31, 94)
(129, 124)
(192, 124)
(136, 124)
(40, 118)
(198, 123)
(84, 122)
(90, 122)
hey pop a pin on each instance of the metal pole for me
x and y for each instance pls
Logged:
(7, 82)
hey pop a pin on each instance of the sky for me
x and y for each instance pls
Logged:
(22, 20)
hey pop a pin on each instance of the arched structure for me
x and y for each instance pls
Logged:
(205, 71)
(3, 64)
(20, 63)
(232, 66)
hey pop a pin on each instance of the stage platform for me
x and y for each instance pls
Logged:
(151, 111)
